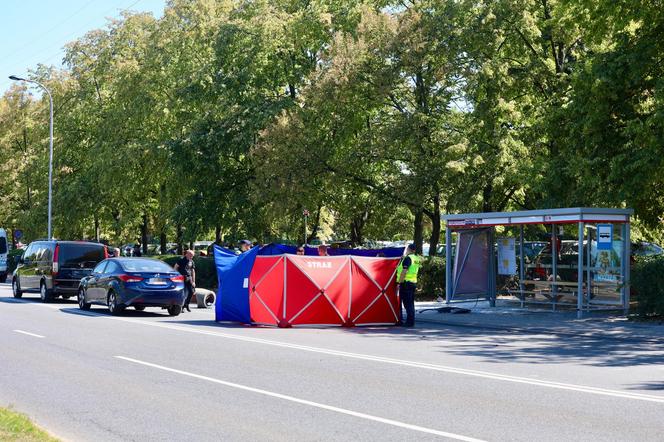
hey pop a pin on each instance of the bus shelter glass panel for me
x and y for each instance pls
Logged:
(605, 266)
(471, 265)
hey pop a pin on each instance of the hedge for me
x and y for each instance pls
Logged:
(648, 286)
(431, 279)
(12, 259)
(206, 271)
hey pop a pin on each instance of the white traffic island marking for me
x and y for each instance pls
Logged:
(307, 402)
(29, 334)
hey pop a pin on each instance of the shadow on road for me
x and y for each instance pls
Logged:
(499, 346)
(653, 386)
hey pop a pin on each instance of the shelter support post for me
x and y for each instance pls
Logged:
(627, 254)
(554, 264)
(589, 282)
(448, 264)
(521, 265)
(579, 283)
(492, 267)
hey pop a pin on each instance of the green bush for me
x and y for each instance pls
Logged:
(12, 259)
(206, 271)
(431, 279)
(648, 286)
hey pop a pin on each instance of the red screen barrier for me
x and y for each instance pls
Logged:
(291, 290)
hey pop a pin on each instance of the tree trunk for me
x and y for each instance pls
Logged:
(418, 234)
(162, 242)
(217, 234)
(179, 239)
(435, 226)
(486, 198)
(316, 226)
(357, 228)
(144, 234)
(96, 227)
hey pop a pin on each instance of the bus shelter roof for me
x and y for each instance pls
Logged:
(543, 216)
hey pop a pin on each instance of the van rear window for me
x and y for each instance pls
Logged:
(3, 244)
(80, 255)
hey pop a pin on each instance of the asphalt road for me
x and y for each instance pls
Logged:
(147, 376)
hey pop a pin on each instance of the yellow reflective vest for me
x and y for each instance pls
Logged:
(411, 273)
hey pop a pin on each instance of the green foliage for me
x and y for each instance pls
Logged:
(12, 259)
(648, 286)
(206, 271)
(431, 279)
(233, 117)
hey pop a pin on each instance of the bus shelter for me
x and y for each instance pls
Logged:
(574, 257)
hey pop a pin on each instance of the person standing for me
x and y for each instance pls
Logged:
(245, 245)
(407, 279)
(185, 266)
(322, 250)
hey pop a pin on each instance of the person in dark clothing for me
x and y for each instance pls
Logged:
(185, 266)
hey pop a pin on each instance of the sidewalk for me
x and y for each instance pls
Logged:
(510, 317)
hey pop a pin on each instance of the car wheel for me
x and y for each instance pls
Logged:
(139, 308)
(81, 300)
(209, 300)
(174, 310)
(113, 305)
(44, 293)
(16, 289)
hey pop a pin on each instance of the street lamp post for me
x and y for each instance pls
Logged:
(50, 156)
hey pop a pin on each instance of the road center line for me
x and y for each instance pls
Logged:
(29, 334)
(413, 364)
(307, 402)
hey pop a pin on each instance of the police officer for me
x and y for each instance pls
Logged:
(407, 279)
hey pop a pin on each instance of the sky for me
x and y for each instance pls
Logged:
(35, 31)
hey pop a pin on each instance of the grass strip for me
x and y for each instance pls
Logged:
(18, 427)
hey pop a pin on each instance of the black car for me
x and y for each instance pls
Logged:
(137, 282)
(55, 268)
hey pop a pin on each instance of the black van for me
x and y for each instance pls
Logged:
(55, 268)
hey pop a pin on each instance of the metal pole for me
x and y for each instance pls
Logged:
(492, 268)
(589, 279)
(521, 264)
(579, 282)
(554, 264)
(50, 149)
(448, 264)
(305, 230)
(50, 163)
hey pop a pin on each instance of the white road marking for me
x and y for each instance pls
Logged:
(412, 364)
(307, 402)
(29, 334)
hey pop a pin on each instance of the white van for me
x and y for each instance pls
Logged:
(4, 248)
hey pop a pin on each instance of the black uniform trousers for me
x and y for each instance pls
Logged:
(407, 294)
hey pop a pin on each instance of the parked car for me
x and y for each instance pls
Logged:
(55, 268)
(4, 249)
(646, 249)
(132, 282)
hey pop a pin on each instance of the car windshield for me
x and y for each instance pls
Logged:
(80, 255)
(145, 265)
